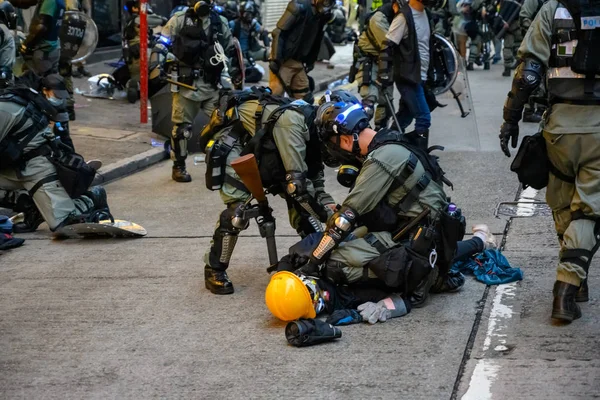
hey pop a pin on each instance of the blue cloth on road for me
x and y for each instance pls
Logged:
(490, 267)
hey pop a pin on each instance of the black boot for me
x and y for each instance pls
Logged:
(564, 307)
(420, 295)
(98, 196)
(180, 174)
(217, 281)
(507, 71)
(582, 295)
(33, 218)
(83, 71)
(470, 66)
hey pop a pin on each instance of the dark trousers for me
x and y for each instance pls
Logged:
(413, 105)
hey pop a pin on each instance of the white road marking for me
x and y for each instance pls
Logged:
(486, 370)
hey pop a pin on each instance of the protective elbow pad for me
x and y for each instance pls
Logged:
(385, 58)
(288, 19)
(528, 76)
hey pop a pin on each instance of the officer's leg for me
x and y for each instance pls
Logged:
(507, 53)
(576, 209)
(133, 84)
(259, 55)
(229, 225)
(279, 82)
(475, 51)
(300, 85)
(13, 197)
(373, 94)
(183, 114)
(54, 204)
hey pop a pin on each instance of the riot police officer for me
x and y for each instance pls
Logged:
(290, 162)
(369, 54)
(131, 44)
(509, 13)
(296, 43)
(41, 48)
(248, 31)
(201, 41)
(556, 47)
(397, 194)
(27, 146)
(8, 22)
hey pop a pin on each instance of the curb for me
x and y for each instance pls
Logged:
(130, 165)
(321, 86)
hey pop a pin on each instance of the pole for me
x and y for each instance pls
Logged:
(144, 61)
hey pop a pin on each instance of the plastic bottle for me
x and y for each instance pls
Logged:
(335, 84)
(345, 81)
(199, 159)
(452, 209)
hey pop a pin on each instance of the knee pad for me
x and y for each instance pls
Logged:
(232, 220)
(179, 137)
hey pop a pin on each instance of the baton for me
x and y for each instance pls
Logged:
(412, 224)
(390, 106)
(183, 85)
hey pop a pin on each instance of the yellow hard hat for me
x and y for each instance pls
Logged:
(288, 298)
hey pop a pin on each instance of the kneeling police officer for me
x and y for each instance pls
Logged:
(30, 154)
(399, 198)
(282, 135)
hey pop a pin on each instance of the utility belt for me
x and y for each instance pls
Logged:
(430, 243)
(532, 165)
(217, 152)
(72, 171)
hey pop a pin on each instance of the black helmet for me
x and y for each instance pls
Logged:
(249, 11)
(337, 96)
(340, 118)
(8, 15)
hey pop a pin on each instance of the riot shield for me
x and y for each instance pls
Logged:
(448, 81)
(78, 36)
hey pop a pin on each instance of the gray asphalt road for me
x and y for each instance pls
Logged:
(132, 319)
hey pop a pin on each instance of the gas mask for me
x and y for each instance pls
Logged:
(59, 104)
(202, 8)
(347, 175)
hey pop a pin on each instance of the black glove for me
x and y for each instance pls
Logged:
(309, 67)
(274, 66)
(508, 131)
(384, 81)
(309, 269)
(236, 78)
(306, 332)
(344, 317)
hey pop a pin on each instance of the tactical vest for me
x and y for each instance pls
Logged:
(262, 145)
(193, 47)
(573, 79)
(300, 41)
(384, 217)
(37, 109)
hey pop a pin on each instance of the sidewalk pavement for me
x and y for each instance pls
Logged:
(110, 130)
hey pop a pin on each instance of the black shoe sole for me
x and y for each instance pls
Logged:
(219, 289)
(565, 317)
(182, 180)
